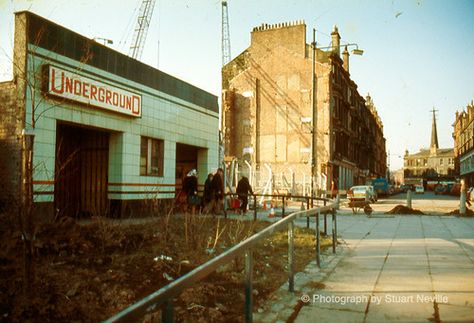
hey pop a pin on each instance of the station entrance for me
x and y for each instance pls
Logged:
(186, 159)
(81, 171)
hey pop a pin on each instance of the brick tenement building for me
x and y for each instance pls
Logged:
(267, 110)
(464, 143)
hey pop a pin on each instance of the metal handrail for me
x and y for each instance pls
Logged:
(165, 294)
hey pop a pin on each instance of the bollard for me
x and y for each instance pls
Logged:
(462, 203)
(337, 201)
(409, 198)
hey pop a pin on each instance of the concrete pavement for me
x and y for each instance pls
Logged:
(387, 269)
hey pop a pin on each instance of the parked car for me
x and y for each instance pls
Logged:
(405, 187)
(440, 189)
(419, 189)
(362, 193)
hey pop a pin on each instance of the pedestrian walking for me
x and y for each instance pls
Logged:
(243, 190)
(207, 195)
(334, 189)
(190, 187)
(217, 187)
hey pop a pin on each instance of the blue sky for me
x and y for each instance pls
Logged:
(417, 54)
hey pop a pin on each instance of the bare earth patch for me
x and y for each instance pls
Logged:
(88, 272)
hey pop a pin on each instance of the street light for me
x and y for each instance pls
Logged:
(105, 40)
(355, 51)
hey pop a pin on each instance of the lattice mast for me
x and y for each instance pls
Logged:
(141, 28)
(225, 34)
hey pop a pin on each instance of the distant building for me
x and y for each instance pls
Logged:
(396, 177)
(268, 111)
(433, 164)
(464, 143)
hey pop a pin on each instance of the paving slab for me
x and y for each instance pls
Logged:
(402, 269)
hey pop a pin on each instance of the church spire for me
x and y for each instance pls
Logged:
(434, 135)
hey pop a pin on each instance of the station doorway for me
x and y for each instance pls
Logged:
(81, 171)
(186, 159)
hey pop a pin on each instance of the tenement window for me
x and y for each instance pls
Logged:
(151, 156)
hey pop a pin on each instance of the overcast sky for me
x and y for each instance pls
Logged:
(417, 54)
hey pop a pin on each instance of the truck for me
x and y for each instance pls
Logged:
(381, 186)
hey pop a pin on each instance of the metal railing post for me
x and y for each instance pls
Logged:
(318, 240)
(167, 313)
(291, 253)
(283, 207)
(254, 207)
(307, 216)
(248, 285)
(325, 221)
(333, 233)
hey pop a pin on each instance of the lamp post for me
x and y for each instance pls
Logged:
(314, 106)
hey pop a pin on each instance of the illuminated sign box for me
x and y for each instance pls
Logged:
(75, 87)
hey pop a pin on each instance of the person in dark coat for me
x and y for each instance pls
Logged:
(207, 196)
(217, 186)
(243, 190)
(190, 187)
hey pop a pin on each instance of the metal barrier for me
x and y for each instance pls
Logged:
(165, 295)
(284, 197)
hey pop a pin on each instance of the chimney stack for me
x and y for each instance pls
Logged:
(345, 58)
(336, 41)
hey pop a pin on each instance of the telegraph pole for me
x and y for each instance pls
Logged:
(314, 122)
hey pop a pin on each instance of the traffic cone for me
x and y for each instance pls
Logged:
(272, 213)
(264, 205)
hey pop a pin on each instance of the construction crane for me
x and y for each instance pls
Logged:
(141, 28)
(225, 34)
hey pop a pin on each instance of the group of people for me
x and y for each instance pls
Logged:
(212, 201)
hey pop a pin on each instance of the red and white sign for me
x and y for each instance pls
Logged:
(79, 88)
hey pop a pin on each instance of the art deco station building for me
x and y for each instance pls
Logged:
(268, 110)
(110, 133)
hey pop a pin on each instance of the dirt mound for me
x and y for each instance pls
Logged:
(402, 209)
(469, 212)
